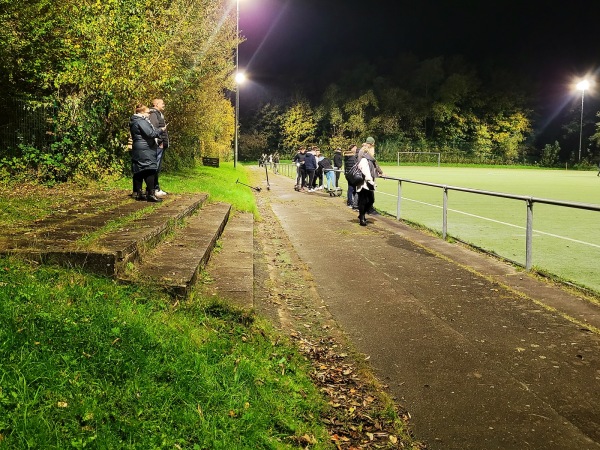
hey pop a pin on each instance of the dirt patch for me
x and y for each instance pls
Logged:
(361, 415)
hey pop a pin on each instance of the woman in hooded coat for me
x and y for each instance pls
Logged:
(144, 161)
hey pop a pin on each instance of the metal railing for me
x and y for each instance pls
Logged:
(529, 201)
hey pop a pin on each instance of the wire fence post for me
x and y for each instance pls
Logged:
(445, 214)
(399, 200)
(529, 236)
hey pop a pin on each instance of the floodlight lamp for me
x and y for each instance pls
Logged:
(583, 85)
(240, 77)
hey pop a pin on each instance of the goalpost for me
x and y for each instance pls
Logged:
(439, 155)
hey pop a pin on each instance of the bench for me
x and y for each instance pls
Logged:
(212, 162)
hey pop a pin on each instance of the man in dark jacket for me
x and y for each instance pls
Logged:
(337, 165)
(310, 165)
(349, 161)
(143, 154)
(327, 168)
(299, 159)
(158, 120)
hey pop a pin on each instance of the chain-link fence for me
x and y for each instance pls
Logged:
(25, 122)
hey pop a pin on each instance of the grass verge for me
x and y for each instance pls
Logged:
(219, 182)
(87, 362)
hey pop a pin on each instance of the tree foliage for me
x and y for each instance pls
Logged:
(298, 125)
(441, 104)
(94, 60)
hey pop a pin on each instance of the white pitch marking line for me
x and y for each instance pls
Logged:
(498, 221)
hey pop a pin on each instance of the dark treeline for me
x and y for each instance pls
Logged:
(445, 104)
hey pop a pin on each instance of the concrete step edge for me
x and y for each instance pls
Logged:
(232, 268)
(129, 244)
(174, 264)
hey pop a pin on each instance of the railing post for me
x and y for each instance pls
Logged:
(529, 236)
(445, 214)
(399, 200)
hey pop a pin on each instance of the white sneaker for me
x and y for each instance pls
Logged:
(160, 193)
(311, 190)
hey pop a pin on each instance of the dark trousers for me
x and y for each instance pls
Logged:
(318, 176)
(303, 176)
(337, 177)
(159, 159)
(366, 200)
(311, 178)
(148, 176)
(351, 191)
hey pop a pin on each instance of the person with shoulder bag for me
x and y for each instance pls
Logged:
(370, 170)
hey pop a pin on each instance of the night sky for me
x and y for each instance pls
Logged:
(300, 43)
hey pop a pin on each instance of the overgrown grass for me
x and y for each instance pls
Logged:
(89, 363)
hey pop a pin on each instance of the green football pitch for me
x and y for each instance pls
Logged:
(566, 241)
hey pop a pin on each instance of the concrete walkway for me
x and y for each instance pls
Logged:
(483, 356)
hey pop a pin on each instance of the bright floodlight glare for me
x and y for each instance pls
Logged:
(583, 85)
(240, 77)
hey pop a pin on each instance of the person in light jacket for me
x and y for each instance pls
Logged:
(370, 169)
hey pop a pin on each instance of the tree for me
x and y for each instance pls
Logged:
(298, 126)
(93, 61)
(550, 153)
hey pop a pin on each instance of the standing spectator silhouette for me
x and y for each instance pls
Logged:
(318, 170)
(337, 165)
(310, 164)
(299, 159)
(157, 119)
(349, 161)
(327, 169)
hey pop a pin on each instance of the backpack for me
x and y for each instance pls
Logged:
(355, 176)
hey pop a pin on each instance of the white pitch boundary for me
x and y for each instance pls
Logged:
(496, 221)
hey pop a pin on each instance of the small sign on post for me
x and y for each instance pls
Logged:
(212, 162)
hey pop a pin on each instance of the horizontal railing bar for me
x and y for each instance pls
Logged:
(586, 206)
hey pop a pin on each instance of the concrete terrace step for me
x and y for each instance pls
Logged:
(128, 244)
(61, 231)
(55, 240)
(174, 264)
(232, 268)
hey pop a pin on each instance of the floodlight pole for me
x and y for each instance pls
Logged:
(581, 124)
(237, 86)
(582, 86)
